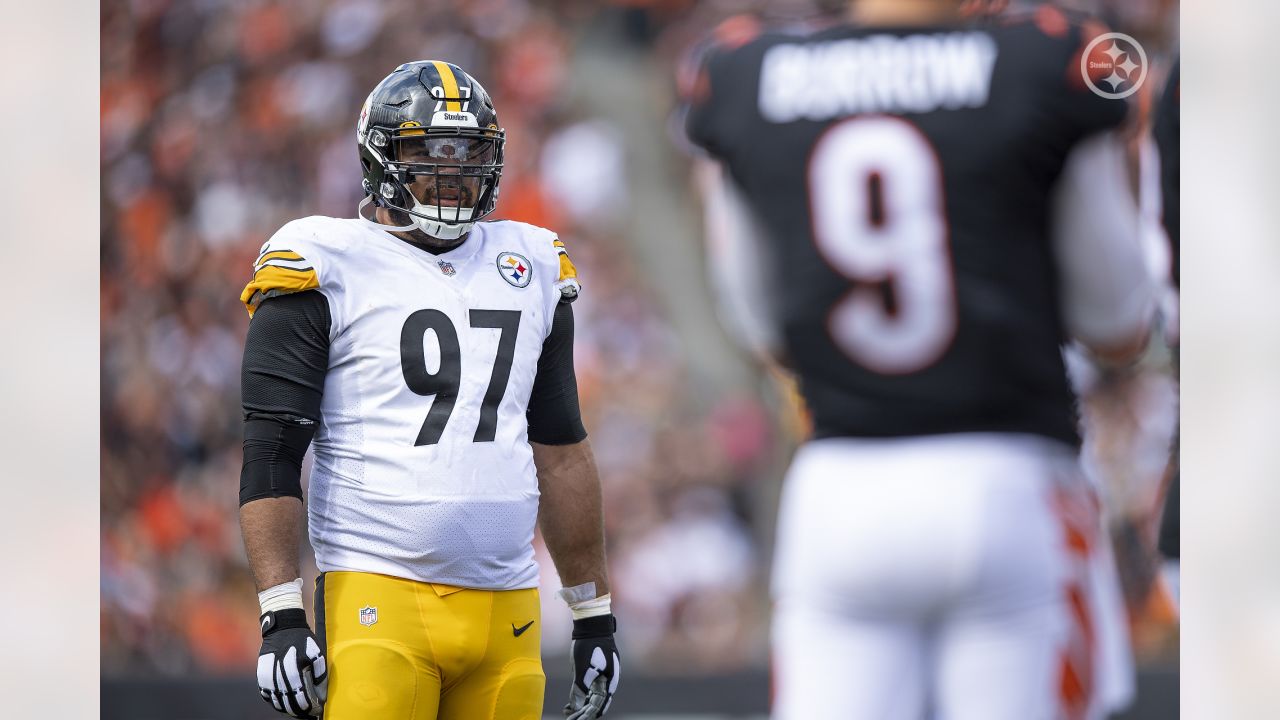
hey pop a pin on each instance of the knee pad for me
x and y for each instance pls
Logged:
(520, 691)
(374, 680)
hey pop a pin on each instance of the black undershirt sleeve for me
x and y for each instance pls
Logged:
(554, 415)
(1167, 131)
(286, 356)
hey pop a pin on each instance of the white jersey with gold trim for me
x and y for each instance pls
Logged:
(423, 468)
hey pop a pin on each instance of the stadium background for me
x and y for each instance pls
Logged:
(221, 121)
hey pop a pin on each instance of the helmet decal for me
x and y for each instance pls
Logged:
(451, 103)
(408, 127)
(363, 123)
(448, 88)
(454, 119)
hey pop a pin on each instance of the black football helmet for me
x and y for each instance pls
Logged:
(431, 147)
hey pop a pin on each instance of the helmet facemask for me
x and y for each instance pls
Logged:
(445, 179)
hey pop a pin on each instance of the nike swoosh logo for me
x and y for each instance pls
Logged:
(520, 631)
(265, 622)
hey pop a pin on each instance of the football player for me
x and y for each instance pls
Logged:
(1167, 131)
(427, 357)
(935, 204)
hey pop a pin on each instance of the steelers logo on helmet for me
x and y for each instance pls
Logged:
(515, 269)
(431, 148)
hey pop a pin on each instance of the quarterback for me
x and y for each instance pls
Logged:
(936, 205)
(427, 357)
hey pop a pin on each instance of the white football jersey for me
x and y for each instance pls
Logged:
(423, 468)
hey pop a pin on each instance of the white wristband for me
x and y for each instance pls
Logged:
(578, 593)
(591, 608)
(281, 597)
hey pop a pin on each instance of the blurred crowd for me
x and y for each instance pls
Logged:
(220, 122)
(223, 121)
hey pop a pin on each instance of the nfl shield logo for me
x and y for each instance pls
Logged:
(368, 615)
(447, 268)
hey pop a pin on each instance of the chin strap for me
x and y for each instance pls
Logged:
(366, 202)
(435, 228)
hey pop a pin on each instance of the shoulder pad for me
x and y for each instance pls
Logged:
(692, 81)
(280, 268)
(541, 243)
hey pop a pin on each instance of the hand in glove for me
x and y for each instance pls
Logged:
(596, 667)
(292, 672)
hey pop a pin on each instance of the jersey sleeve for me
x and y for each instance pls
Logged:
(1166, 132)
(1085, 111)
(567, 279)
(553, 413)
(286, 357)
(706, 84)
(290, 262)
(1046, 48)
(694, 81)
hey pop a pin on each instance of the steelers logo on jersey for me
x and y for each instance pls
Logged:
(515, 269)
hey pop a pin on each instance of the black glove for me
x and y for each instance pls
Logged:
(596, 667)
(292, 673)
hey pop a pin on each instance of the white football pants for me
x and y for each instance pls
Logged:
(959, 577)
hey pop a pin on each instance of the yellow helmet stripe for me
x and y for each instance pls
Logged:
(450, 84)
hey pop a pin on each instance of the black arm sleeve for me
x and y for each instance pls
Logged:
(554, 416)
(1167, 131)
(286, 355)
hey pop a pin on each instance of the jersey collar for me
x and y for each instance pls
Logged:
(461, 254)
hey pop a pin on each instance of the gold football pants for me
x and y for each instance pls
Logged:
(405, 650)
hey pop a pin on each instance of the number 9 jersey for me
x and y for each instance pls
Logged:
(899, 181)
(423, 468)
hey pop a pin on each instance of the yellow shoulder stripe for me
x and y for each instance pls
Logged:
(276, 255)
(271, 280)
(567, 270)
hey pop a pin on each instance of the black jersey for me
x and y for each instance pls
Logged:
(1167, 132)
(903, 179)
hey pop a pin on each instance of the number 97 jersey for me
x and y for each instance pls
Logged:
(901, 181)
(423, 468)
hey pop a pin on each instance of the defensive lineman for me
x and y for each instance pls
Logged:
(931, 208)
(429, 358)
